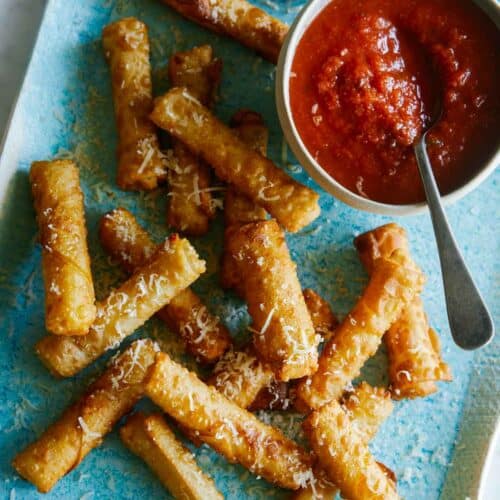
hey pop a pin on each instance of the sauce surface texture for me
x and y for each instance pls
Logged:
(364, 84)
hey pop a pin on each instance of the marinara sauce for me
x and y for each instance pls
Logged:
(364, 83)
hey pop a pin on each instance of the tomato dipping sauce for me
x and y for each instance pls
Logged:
(364, 84)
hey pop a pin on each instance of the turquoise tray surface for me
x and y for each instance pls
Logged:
(65, 110)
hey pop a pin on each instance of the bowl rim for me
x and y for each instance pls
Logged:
(313, 168)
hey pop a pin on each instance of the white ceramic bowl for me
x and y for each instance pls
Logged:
(328, 183)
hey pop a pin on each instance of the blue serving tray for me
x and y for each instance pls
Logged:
(65, 110)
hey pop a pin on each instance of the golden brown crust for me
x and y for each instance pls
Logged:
(393, 285)
(125, 240)
(126, 47)
(278, 396)
(256, 177)
(415, 363)
(322, 317)
(237, 19)
(284, 336)
(203, 334)
(345, 457)
(198, 70)
(250, 128)
(69, 290)
(413, 349)
(223, 425)
(191, 205)
(238, 209)
(381, 242)
(83, 425)
(150, 438)
(173, 267)
(240, 376)
(367, 407)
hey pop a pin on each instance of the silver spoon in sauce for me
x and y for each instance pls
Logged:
(470, 321)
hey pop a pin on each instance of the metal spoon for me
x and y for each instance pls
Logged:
(470, 321)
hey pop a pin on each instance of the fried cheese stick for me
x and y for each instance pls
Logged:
(250, 128)
(240, 377)
(237, 19)
(238, 209)
(203, 335)
(230, 430)
(253, 175)
(344, 455)
(173, 267)
(149, 437)
(415, 363)
(392, 286)
(277, 396)
(244, 379)
(190, 205)
(69, 290)
(322, 317)
(84, 424)
(367, 407)
(284, 335)
(126, 47)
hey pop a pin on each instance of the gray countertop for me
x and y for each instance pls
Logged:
(19, 21)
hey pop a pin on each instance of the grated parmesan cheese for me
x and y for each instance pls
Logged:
(87, 433)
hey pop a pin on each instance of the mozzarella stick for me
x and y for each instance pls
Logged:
(253, 175)
(237, 19)
(275, 396)
(232, 431)
(250, 128)
(392, 286)
(414, 354)
(239, 209)
(367, 408)
(191, 205)
(173, 267)
(204, 336)
(84, 424)
(322, 317)
(244, 379)
(126, 47)
(415, 363)
(202, 333)
(69, 290)
(381, 243)
(344, 455)
(284, 335)
(240, 377)
(151, 438)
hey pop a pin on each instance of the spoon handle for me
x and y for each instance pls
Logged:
(470, 321)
